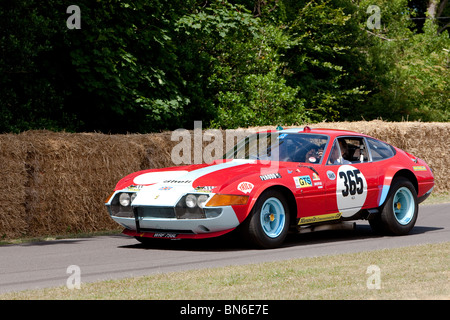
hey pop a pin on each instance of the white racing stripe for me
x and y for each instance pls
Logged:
(169, 188)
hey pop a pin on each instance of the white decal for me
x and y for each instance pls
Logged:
(351, 190)
(157, 176)
(245, 187)
(331, 175)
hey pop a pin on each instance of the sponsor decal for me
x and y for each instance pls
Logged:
(134, 188)
(245, 187)
(320, 218)
(270, 176)
(177, 181)
(303, 181)
(315, 176)
(419, 168)
(165, 188)
(157, 176)
(289, 171)
(331, 175)
(207, 189)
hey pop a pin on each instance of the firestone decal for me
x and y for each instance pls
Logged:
(245, 187)
(320, 218)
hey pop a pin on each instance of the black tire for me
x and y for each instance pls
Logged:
(267, 229)
(399, 212)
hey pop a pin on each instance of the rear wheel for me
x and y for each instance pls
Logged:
(268, 223)
(399, 212)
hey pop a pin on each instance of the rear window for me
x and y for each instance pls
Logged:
(380, 150)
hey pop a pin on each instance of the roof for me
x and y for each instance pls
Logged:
(330, 132)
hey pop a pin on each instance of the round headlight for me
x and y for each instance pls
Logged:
(191, 200)
(201, 200)
(124, 199)
(133, 196)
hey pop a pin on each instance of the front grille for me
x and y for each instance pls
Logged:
(156, 212)
(122, 212)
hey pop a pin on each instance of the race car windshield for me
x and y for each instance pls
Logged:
(276, 146)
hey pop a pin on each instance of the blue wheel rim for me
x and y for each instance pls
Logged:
(403, 206)
(272, 217)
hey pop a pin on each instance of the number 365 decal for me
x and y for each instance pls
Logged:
(353, 182)
(351, 190)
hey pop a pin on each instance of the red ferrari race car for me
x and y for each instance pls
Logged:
(275, 182)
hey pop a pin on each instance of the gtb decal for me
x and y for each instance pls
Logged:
(351, 190)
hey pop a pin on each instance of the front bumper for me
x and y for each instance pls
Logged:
(165, 221)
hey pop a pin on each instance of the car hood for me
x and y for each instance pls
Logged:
(164, 187)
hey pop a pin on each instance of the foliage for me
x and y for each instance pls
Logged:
(414, 84)
(145, 66)
(245, 67)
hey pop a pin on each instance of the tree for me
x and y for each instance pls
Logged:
(245, 68)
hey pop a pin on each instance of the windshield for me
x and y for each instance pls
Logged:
(279, 146)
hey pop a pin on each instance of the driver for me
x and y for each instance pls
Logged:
(314, 155)
(335, 158)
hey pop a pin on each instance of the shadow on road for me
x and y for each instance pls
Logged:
(232, 241)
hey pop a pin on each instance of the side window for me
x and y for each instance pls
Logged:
(348, 150)
(335, 154)
(356, 150)
(380, 150)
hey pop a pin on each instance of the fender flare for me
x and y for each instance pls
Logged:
(290, 198)
(390, 175)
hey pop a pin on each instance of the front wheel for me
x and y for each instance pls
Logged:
(268, 223)
(399, 213)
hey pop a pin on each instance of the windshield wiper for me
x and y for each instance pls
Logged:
(309, 167)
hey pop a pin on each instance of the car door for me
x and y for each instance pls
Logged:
(351, 181)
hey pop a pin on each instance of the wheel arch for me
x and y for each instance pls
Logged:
(405, 173)
(290, 198)
(388, 180)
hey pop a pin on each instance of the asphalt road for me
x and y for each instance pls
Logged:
(45, 264)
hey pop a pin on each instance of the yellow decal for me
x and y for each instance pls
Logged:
(303, 181)
(419, 168)
(320, 218)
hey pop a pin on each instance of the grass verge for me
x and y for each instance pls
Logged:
(416, 272)
(437, 198)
